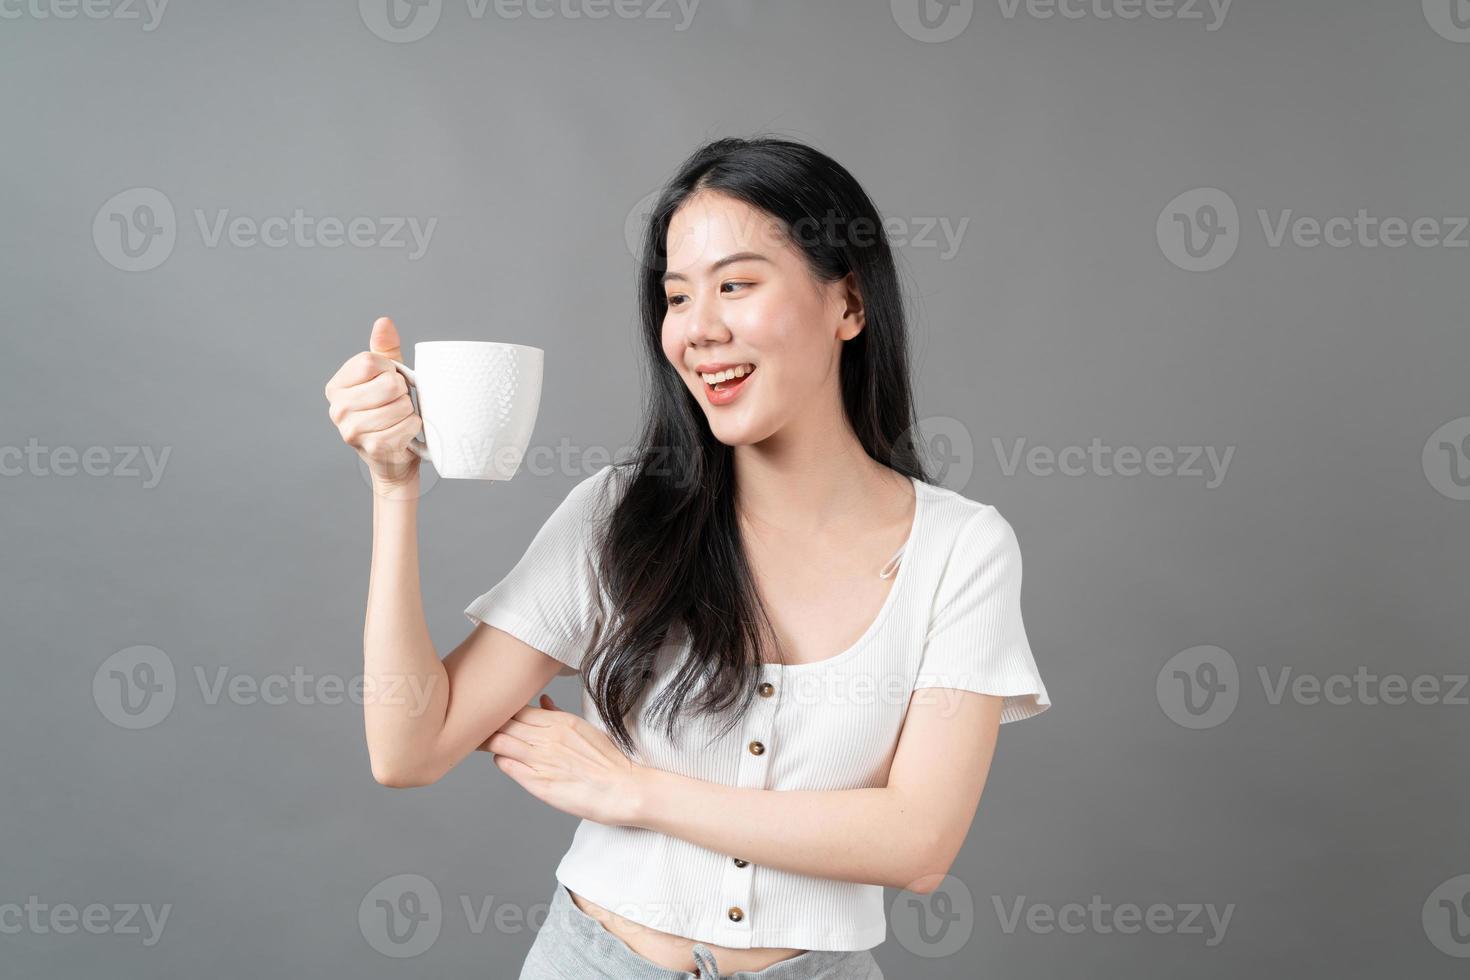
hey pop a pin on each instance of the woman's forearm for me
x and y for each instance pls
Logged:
(406, 689)
(873, 836)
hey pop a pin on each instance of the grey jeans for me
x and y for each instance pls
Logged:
(571, 945)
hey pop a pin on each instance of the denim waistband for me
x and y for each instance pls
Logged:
(591, 941)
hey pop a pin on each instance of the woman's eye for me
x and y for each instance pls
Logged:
(675, 299)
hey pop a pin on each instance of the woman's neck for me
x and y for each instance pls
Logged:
(814, 494)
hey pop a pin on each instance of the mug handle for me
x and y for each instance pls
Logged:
(418, 446)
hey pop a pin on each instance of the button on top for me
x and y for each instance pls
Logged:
(756, 748)
(739, 863)
(766, 689)
(736, 913)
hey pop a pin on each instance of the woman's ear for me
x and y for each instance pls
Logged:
(853, 319)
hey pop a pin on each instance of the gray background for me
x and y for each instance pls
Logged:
(1328, 548)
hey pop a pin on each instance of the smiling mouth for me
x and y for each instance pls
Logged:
(731, 383)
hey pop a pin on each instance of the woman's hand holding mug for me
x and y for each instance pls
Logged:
(370, 405)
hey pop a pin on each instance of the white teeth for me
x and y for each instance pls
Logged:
(734, 372)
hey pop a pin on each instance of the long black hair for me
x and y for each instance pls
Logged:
(670, 551)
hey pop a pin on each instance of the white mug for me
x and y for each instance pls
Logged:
(478, 400)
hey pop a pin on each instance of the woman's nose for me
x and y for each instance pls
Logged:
(705, 325)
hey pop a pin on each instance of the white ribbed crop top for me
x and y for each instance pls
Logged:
(952, 619)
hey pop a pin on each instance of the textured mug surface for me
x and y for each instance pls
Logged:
(479, 401)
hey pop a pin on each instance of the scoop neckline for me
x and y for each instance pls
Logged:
(891, 600)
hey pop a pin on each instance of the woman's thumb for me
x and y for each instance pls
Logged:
(384, 339)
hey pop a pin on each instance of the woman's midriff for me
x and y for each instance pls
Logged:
(674, 952)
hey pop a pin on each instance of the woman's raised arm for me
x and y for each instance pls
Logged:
(422, 715)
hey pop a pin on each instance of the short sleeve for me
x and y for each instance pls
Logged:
(976, 639)
(551, 598)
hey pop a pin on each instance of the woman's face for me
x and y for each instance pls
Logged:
(739, 292)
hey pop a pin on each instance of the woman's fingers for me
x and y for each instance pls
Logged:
(394, 439)
(362, 366)
(359, 424)
(530, 734)
(382, 390)
(368, 402)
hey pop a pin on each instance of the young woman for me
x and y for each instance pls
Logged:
(795, 651)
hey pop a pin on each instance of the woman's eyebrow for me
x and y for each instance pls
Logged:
(719, 264)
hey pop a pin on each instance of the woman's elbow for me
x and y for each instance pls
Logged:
(398, 774)
(928, 867)
(926, 883)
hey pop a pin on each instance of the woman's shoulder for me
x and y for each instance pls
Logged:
(952, 510)
(600, 485)
(593, 498)
(974, 528)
